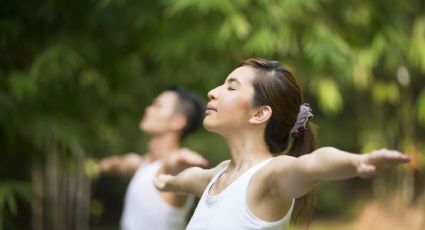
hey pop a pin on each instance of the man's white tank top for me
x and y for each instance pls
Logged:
(228, 210)
(145, 209)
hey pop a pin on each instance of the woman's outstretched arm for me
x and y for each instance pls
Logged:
(193, 180)
(294, 177)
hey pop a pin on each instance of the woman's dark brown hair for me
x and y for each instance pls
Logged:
(276, 87)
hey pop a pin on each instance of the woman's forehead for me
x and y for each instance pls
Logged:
(243, 74)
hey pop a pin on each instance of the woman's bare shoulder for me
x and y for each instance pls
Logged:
(221, 166)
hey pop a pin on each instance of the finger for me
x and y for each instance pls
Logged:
(103, 166)
(185, 151)
(160, 181)
(199, 160)
(366, 171)
(405, 158)
(159, 184)
(388, 155)
(193, 155)
(192, 159)
(399, 158)
(203, 162)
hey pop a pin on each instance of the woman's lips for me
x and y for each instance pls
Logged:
(210, 109)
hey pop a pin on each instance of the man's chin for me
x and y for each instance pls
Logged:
(150, 130)
(145, 128)
(141, 127)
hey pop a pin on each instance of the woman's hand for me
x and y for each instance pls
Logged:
(193, 180)
(161, 181)
(379, 160)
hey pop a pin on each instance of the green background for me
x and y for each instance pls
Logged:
(75, 77)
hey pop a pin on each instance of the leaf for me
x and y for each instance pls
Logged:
(417, 44)
(9, 191)
(261, 42)
(330, 99)
(325, 47)
(383, 92)
(240, 25)
(420, 105)
(11, 202)
(2, 195)
(23, 86)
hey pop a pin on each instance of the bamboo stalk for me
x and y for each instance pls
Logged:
(37, 200)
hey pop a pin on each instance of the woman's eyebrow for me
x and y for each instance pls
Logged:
(231, 80)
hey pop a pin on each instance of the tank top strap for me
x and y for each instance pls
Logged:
(213, 180)
(242, 180)
(244, 188)
(246, 176)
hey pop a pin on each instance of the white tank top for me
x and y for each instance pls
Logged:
(228, 210)
(145, 209)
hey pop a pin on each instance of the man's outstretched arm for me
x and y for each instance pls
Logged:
(125, 165)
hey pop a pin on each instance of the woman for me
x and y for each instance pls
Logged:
(259, 112)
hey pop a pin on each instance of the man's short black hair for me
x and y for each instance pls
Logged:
(191, 106)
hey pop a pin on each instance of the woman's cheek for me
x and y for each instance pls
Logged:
(234, 107)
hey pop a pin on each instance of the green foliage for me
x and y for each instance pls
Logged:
(421, 107)
(10, 192)
(329, 97)
(417, 47)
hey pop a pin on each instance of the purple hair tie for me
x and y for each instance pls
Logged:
(300, 126)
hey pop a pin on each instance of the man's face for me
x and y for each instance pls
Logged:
(160, 116)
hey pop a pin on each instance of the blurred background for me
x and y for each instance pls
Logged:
(75, 77)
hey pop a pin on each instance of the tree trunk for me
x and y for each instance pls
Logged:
(37, 201)
(62, 190)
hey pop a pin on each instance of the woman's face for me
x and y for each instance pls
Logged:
(230, 104)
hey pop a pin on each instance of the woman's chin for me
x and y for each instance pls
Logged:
(209, 126)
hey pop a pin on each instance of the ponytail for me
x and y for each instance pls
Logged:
(301, 145)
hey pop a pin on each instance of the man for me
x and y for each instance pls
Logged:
(173, 115)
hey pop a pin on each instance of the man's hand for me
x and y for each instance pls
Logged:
(183, 159)
(123, 165)
(379, 160)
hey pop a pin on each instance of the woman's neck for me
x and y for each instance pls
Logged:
(247, 149)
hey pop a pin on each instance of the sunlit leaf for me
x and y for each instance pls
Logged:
(420, 105)
(330, 98)
(386, 93)
(261, 42)
(417, 44)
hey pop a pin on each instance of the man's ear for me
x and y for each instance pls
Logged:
(178, 122)
(261, 115)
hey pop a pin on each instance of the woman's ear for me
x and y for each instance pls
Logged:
(261, 115)
(178, 122)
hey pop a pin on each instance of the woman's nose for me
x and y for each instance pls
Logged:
(212, 94)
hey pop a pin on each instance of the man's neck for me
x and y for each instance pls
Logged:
(161, 145)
